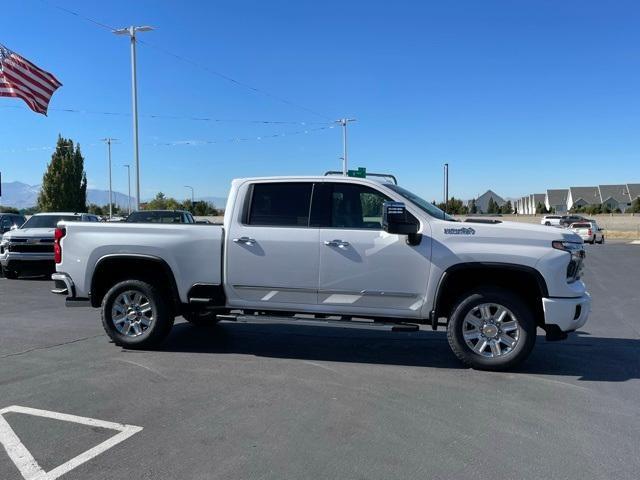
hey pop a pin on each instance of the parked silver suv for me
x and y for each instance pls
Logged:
(30, 247)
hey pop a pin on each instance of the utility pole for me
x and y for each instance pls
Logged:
(109, 141)
(344, 122)
(446, 186)
(129, 185)
(131, 31)
(192, 199)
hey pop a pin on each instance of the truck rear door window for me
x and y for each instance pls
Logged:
(280, 204)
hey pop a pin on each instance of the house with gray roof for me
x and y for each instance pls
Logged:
(556, 200)
(615, 197)
(482, 202)
(536, 199)
(583, 196)
(634, 191)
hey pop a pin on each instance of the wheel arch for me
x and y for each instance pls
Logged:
(522, 279)
(113, 268)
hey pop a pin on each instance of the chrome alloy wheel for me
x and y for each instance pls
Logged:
(491, 330)
(132, 313)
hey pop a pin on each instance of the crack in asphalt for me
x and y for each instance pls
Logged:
(46, 347)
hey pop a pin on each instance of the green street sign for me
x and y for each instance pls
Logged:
(360, 173)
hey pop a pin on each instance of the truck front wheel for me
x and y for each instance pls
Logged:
(9, 274)
(135, 314)
(491, 329)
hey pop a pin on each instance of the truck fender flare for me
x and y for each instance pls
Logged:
(139, 256)
(542, 284)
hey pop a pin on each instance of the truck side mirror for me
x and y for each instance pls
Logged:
(395, 219)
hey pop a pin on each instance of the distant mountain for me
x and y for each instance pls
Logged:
(21, 195)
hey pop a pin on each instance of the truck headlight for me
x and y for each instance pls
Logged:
(576, 250)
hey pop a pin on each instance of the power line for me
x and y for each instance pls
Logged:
(79, 15)
(179, 143)
(176, 117)
(191, 62)
(233, 80)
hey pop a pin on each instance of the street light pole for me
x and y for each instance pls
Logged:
(129, 185)
(109, 141)
(131, 31)
(192, 198)
(446, 186)
(343, 122)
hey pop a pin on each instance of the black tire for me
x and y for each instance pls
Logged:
(602, 240)
(548, 224)
(10, 274)
(202, 318)
(158, 328)
(505, 298)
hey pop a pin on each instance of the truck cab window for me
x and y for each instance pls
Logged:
(280, 204)
(344, 205)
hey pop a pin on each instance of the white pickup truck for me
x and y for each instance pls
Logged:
(332, 246)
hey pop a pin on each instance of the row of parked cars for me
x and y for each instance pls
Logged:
(588, 229)
(27, 246)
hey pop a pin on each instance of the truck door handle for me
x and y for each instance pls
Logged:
(245, 240)
(336, 243)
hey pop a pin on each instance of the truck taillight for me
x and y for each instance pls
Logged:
(57, 248)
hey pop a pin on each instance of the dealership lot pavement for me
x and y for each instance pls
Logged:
(283, 401)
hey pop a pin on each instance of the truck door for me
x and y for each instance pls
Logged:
(272, 252)
(362, 268)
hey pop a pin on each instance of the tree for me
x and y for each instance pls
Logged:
(507, 208)
(473, 208)
(203, 209)
(64, 184)
(8, 209)
(635, 206)
(541, 208)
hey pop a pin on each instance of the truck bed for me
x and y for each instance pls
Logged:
(192, 252)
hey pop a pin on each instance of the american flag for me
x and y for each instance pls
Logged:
(22, 79)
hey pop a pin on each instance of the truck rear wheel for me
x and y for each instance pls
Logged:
(136, 315)
(491, 329)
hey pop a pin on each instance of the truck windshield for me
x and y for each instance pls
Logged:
(48, 221)
(421, 203)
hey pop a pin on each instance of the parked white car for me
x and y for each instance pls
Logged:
(589, 231)
(551, 220)
(332, 246)
(30, 247)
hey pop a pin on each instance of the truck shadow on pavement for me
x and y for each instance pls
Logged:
(584, 357)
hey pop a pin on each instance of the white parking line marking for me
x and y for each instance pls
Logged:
(28, 466)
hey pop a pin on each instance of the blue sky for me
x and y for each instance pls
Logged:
(517, 96)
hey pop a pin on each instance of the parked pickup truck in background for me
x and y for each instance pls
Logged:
(332, 246)
(29, 248)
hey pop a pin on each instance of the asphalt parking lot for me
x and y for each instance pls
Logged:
(282, 401)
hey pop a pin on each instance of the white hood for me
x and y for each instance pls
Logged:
(29, 233)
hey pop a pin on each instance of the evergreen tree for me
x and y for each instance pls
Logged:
(473, 207)
(64, 184)
(635, 206)
(491, 206)
(507, 208)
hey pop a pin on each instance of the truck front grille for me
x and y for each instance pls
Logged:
(30, 248)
